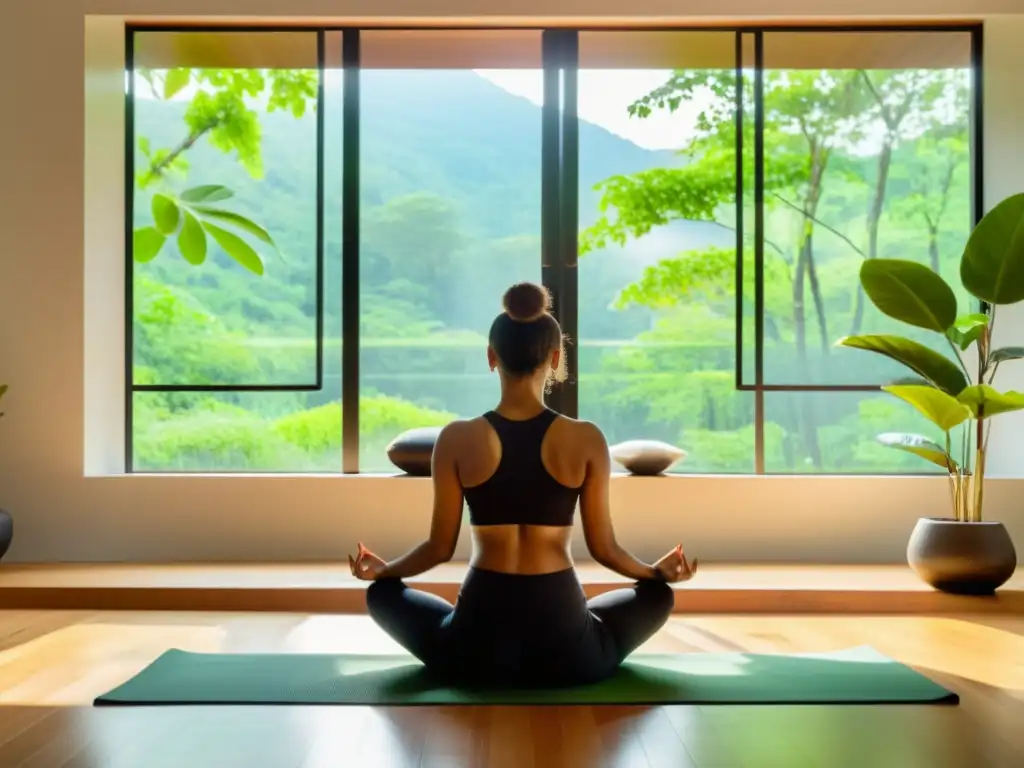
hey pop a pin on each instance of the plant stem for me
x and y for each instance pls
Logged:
(951, 473)
(959, 359)
(979, 486)
(979, 466)
(992, 378)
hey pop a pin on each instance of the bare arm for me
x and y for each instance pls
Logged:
(447, 515)
(595, 512)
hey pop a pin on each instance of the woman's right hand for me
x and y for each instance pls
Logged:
(674, 567)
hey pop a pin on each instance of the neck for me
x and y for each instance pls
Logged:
(521, 397)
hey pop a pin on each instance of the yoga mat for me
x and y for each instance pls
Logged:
(853, 676)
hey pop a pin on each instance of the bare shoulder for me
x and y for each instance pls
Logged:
(461, 431)
(586, 432)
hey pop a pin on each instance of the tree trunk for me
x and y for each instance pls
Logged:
(933, 247)
(805, 266)
(874, 218)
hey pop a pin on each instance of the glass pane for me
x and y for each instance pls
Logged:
(657, 274)
(836, 433)
(236, 432)
(225, 208)
(867, 155)
(450, 142)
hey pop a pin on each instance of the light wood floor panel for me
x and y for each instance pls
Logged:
(52, 664)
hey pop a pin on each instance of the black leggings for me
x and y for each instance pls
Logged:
(521, 631)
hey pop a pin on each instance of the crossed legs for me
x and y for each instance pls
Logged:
(623, 619)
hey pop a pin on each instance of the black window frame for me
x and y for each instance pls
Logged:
(559, 205)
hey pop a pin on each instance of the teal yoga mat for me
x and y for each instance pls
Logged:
(853, 676)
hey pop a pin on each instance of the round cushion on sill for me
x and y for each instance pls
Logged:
(646, 457)
(411, 450)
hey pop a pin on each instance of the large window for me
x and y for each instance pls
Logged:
(657, 214)
(322, 223)
(450, 196)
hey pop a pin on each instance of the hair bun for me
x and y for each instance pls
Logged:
(526, 302)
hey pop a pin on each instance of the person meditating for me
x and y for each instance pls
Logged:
(521, 619)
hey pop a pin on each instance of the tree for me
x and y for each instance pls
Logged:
(927, 178)
(903, 101)
(807, 114)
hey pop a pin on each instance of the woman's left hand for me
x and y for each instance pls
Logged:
(366, 565)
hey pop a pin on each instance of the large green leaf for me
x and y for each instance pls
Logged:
(925, 362)
(166, 214)
(920, 446)
(192, 240)
(237, 220)
(967, 329)
(207, 193)
(236, 248)
(176, 80)
(994, 402)
(146, 243)
(909, 292)
(1003, 354)
(944, 411)
(992, 267)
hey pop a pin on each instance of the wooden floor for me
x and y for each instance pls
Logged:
(52, 664)
(330, 588)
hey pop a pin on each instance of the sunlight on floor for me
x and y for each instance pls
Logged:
(339, 634)
(72, 665)
(963, 648)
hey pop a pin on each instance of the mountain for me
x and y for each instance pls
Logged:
(451, 209)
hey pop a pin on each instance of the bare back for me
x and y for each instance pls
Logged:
(517, 548)
(574, 457)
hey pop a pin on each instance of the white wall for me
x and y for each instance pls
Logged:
(60, 246)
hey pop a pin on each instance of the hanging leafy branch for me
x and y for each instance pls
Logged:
(219, 112)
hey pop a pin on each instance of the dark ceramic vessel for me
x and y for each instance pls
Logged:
(962, 558)
(6, 532)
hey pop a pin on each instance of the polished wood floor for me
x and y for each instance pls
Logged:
(52, 664)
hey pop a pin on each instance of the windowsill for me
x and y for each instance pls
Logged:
(329, 587)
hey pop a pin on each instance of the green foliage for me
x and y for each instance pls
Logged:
(190, 216)
(218, 111)
(215, 435)
(147, 242)
(984, 401)
(945, 411)
(927, 363)
(909, 292)
(192, 239)
(450, 219)
(177, 337)
(1003, 354)
(992, 267)
(919, 446)
(967, 329)
(235, 247)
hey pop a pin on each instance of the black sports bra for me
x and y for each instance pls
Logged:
(521, 491)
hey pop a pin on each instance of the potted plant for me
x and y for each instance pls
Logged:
(6, 523)
(961, 553)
